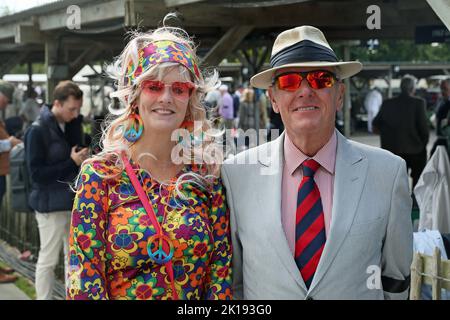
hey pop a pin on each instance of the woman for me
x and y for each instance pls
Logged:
(145, 225)
(247, 112)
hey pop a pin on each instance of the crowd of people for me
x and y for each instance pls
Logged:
(303, 222)
(245, 108)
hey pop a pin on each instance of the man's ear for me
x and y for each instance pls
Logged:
(57, 103)
(272, 100)
(341, 95)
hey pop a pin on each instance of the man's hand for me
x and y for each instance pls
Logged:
(14, 141)
(79, 156)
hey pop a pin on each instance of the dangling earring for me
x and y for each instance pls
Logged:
(135, 128)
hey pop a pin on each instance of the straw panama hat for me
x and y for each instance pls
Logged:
(303, 46)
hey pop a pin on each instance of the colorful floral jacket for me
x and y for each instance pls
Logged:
(110, 228)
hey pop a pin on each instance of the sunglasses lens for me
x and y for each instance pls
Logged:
(182, 90)
(153, 87)
(289, 82)
(316, 80)
(320, 79)
(179, 90)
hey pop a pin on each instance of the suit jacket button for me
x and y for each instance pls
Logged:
(309, 298)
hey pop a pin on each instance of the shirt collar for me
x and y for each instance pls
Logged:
(326, 156)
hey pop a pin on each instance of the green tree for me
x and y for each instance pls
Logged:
(403, 50)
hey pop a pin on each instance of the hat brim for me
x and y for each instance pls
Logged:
(263, 80)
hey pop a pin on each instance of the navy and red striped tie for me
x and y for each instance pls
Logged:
(310, 224)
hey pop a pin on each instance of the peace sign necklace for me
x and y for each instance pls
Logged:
(159, 246)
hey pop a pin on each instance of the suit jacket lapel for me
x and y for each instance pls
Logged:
(270, 203)
(350, 176)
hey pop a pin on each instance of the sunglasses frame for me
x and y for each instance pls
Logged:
(192, 86)
(304, 75)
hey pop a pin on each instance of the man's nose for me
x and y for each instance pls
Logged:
(304, 89)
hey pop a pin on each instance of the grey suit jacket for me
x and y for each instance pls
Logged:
(368, 251)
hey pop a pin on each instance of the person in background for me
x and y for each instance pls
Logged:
(443, 108)
(226, 110)
(247, 112)
(403, 127)
(442, 117)
(53, 157)
(372, 104)
(30, 109)
(236, 95)
(6, 144)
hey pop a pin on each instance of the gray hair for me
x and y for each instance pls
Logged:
(408, 84)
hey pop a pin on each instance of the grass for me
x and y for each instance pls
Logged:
(23, 284)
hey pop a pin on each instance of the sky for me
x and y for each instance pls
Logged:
(15, 6)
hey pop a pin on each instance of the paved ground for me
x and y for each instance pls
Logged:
(8, 291)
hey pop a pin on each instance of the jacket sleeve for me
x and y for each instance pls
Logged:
(441, 113)
(35, 151)
(377, 122)
(398, 243)
(218, 281)
(87, 239)
(237, 248)
(422, 122)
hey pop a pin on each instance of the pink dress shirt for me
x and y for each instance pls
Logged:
(293, 174)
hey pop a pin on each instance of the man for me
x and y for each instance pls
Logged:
(316, 216)
(6, 144)
(442, 117)
(443, 108)
(237, 100)
(372, 103)
(403, 127)
(53, 161)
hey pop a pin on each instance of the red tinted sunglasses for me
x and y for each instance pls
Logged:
(179, 90)
(317, 79)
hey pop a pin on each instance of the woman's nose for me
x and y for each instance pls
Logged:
(166, 94)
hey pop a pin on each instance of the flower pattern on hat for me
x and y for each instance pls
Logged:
(159, 52)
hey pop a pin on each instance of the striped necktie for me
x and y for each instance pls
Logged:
(310, 224)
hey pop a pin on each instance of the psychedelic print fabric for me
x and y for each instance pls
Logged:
(158, 52)
(109, 232)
